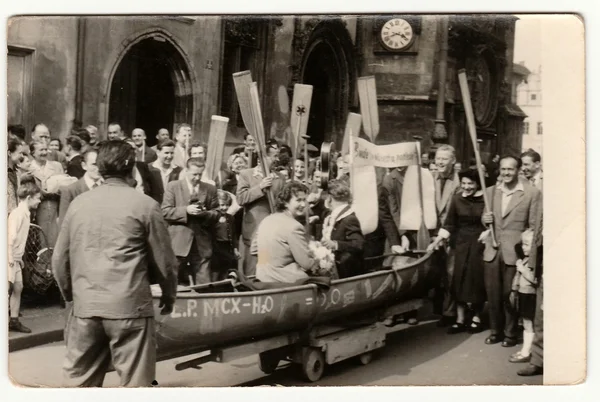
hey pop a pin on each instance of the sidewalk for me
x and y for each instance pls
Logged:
(46, 324)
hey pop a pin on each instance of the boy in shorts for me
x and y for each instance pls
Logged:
(29, 195)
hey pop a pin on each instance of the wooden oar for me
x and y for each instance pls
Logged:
(216, 145)
(241, 82)
(353, 123)
(299, 117)
(307, 209)
(259, 130)
(368, 107)
(466, 96)
(423, 238)
(377, 257)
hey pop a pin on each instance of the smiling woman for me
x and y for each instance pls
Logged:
(283, 254)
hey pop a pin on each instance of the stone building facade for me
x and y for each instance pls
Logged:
(154, 72)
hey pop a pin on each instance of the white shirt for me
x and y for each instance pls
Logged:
(18, 229)
(90, 182)
(330, 221)
(507, 194)
(164, 173)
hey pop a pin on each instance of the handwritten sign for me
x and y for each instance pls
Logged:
(388, 156)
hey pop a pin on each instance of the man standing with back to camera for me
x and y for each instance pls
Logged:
(111, 244)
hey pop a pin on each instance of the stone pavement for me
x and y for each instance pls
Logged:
(46, 324)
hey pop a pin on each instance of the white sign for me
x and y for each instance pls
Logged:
(388, 156)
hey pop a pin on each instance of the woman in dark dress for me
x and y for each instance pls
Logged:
(462, 228)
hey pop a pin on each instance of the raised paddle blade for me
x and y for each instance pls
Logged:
(410, 207)
(259, 135)
(353, 123)
(299, 114)
(368, 106)
(241, 81)
(216, 145)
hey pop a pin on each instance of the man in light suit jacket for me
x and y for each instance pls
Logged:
(514, 205)
(532, 168)
(190, 207)
(91, 179)
(252, 196)
(446, 183)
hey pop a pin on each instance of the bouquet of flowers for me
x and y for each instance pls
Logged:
(325, 260)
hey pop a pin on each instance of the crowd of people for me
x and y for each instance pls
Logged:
(121, 215)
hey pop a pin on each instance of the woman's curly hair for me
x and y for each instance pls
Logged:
(287, 192)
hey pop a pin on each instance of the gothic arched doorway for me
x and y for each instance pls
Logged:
(328, 67)
(151, 88)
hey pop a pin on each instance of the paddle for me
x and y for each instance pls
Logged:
(241, 81)
(423, 238)
(466, 96)
(259, 131)
(368, 107)
(216, 145)
(353, 123)
(299, 118)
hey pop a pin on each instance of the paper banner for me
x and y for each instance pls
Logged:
(388, 156)
(410, 208)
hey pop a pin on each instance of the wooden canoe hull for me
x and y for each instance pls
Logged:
(208, 320)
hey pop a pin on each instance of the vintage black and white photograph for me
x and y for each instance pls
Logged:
(257, 200)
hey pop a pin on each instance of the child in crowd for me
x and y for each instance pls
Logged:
(225, 252)
(29, 195)
(522, 296)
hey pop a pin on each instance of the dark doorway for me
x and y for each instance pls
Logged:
(144, 92)
(322, 73)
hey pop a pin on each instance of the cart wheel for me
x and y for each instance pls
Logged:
(365, 358)
(267, 364)
(313, 364)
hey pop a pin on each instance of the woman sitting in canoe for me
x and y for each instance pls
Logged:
(283, 254)
(341, 230)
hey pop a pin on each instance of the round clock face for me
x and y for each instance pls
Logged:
(396, 34)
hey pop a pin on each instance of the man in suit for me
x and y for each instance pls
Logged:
(73, 146)
(190, 206)
(143, 153)
(446, 183)
(252, 196)
(164, 169)
(90, 180)
(514, 207)
(532, 168)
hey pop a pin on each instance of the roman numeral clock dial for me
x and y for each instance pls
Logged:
(396, 34)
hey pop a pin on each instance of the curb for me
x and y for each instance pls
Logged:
(34, 340)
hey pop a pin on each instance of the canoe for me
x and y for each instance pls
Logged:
(217, 315)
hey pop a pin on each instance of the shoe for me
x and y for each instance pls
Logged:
(457, 328)
(531, 370)
(509, 342)
(16, 326)
(412, 321)
(492, 339)
(445, 321)
(475, 327)
(519, 358)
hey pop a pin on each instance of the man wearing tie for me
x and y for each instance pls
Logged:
(446, 185)
(183, 135)
(190, 206)
(90, 180)
(532, 168)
